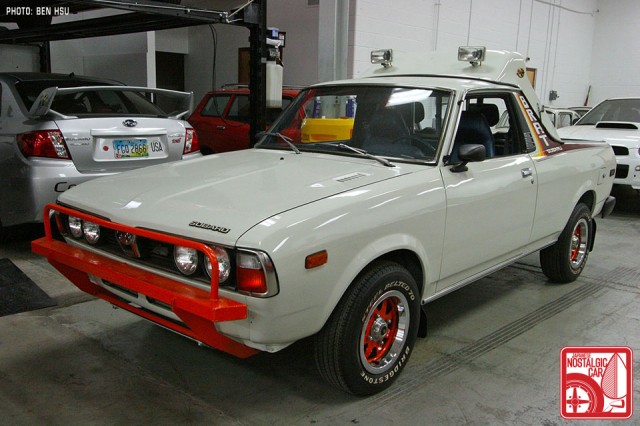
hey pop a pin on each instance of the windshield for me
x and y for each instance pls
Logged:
(613, 110)
(395, 122)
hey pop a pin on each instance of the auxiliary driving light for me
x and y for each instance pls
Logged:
(472, 54)
(91, 231)
(186, 259)
(382, 57)
(224, 264)
(75, 226)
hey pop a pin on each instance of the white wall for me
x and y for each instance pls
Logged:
(199, 61)
(571, 46)
(557, 38)
(120, 57)
(19, 58)
(300, 53)
(616, 51)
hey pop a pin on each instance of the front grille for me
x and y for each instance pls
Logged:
(620, 150)
(622, 171)
(150, 253)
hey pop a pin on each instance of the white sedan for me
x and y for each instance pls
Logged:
(617, 122)
(58, 130)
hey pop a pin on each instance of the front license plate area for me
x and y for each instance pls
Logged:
(130, 148)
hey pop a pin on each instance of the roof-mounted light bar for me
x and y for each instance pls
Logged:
(472, 54)
(383, 56)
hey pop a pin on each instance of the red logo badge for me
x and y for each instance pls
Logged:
(596, 382)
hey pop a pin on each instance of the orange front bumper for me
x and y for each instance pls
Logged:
(198, 309)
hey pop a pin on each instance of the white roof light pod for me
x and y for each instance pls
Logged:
(383, 56)
(472, 54)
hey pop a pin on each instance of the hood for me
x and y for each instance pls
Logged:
(625, 137)
(234, 191)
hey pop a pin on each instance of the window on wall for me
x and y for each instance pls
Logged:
(531, 74)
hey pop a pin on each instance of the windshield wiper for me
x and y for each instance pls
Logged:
(287, 139)
(364, 153)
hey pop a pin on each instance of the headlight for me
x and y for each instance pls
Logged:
(224, 264)
(75, 226)
(186, 259)
(91, 232)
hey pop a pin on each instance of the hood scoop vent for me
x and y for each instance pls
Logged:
(351, 176)
(616, 125)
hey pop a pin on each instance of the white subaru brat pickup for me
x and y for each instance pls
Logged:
(367, 199)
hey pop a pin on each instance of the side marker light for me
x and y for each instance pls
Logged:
(316, 259)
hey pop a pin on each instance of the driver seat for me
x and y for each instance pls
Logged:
(473, 129)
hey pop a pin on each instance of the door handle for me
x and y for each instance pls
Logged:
(526, 172)
(220, 127)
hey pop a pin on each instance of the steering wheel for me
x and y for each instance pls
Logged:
(419, 143)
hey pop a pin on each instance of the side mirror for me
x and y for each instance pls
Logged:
(469, 153)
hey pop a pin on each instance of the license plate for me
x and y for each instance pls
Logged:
(127, 148)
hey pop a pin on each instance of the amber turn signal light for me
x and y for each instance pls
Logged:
(316, 259)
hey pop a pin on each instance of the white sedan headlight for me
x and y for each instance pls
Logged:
(91, 232)
(75, 226)
(224, 264)
(186, 259)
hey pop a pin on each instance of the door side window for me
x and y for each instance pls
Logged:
(215, 106)
(564, 120)
(240, 109)
(499, 113)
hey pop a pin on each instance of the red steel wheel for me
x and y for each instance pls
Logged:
(384, 332)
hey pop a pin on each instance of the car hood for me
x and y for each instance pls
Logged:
(219, 197)
(624, 137)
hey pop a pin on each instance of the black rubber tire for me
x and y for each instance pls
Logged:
(339, 346)
(556, 260)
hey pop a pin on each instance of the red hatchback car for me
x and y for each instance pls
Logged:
(222, 118)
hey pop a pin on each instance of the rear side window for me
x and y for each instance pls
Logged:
(215, 106)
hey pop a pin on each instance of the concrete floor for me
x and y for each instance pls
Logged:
(491, 357)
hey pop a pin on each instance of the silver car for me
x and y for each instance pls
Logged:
(57, 131)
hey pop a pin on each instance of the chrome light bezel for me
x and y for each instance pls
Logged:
(267, 267)
(75, 226)
(224, 264)
(472, 54)
(383, 57)
(91, 232)
(192, 267)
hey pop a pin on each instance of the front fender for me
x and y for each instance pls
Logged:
(355, 228)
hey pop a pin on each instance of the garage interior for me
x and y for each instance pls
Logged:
(492, 354)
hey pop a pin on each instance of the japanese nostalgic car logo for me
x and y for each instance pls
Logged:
(130, 123)
(220, 229)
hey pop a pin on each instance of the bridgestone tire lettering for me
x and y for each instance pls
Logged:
(369, 337)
